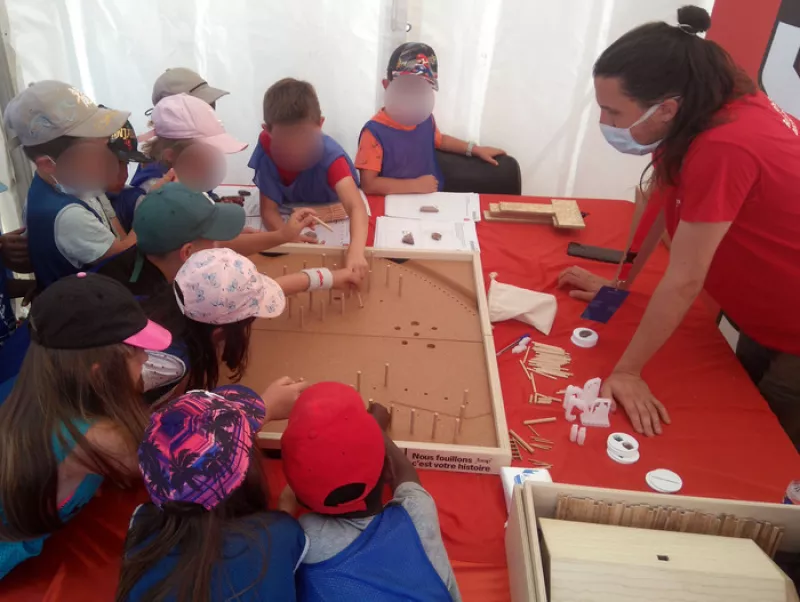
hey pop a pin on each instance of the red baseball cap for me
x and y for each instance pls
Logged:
(331, 441)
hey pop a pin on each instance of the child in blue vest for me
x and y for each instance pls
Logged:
(65, 134)
(75, 415)
(208, 536)
(297, 165)
(397, 147)
(334, 454)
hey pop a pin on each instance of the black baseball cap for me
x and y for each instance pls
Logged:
(91, 310)
(414, 58)
(125, 145)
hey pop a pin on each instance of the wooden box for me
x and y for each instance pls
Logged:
(564, 561)
(418, 341)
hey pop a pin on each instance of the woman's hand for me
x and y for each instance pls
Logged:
(632, 393)
(299, 220)
(280, 396)
(584, 284)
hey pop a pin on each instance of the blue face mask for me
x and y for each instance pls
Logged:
(622, 139)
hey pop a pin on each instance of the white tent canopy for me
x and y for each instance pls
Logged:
(513, 73)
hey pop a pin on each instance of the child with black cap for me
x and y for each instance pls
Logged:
(335, 456)
(75, 414)
(396, 148)
(207, 535)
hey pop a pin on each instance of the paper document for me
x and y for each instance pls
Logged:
(455, 236)
(450, 206)
(332, 214)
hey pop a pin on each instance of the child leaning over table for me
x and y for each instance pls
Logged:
(336, 457)
(397, 147)
(296, 164)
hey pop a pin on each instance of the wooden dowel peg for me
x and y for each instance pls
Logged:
(358, 381)
(400, 286)
(342, 300)
(462, 412)
(360, 301)
(539, 421)
(466, 397)
(324, 259)
(285, 269)
(289, 302)
(305, 265)
(413, 417)
(322, 309)
(457, 430)
(369, 404)
(386, 375)
(371, 258)
(330, 296)
(388, 267)
(302, 320)
(435, 425)
(391, 413)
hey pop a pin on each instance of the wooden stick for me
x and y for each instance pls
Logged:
(330, 296)
(285, 269)
(371, 258)
(462, 412)
(289, 302)
(540, 446)
(360, 301)
(533, 430)
(540, 440)
(369, 405)
(369, 281)
(305, 265)
(466, 397)
(302, 321)
(321, 223)
(391, 413)
(400, 287)
(521, 441)
(342, 300)
(386, 375)
(544, 374)
(324, 259)
(387, 273)
(435, 424)
(539, 421)
(322, 308)
(358, 381)
(413, 416)
(530, 399)
(457, 430)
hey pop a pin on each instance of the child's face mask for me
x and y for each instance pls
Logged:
(297, 146)
(409, 100)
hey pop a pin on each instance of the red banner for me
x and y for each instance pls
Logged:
(763, 36)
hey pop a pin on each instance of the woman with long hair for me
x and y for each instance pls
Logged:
(207, 535)
(725, 181)
(75, 415)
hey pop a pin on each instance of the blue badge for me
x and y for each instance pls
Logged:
(605, 304)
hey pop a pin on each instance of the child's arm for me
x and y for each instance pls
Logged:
(372, 183)
(348, 194)
(292, 284)
(270, 215)
(249, 243)
(459, 147)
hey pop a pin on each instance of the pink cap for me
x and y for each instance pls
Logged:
(153, 337)
(184, 117)
(219, 286)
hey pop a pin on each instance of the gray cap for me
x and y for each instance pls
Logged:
(49, 109)
(185, 81)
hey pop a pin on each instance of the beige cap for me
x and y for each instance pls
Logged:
(180, 80)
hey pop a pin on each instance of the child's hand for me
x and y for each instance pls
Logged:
(280, 396)
(426, 184)
(357, 262)
(487, 153)
(298, 221)
(166, 178)
(346, 279)
(381, 415)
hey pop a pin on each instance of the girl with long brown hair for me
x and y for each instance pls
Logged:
(726, 175)
(207, 535)
(75, 415)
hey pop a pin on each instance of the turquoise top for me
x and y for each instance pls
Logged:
(14, 552)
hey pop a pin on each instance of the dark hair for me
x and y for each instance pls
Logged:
(55, 389)
(290, 101)
(52, 149)
(657, 61)
(198, 537)
(201, 340)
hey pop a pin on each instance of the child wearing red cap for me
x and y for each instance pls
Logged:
(207, 535)
(75, 414)
(334, 456)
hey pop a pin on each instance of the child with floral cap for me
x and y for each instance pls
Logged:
(207, 535)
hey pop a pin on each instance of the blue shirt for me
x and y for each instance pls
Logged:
(279, 548)
(8, 322)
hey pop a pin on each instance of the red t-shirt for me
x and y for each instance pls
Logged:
(339, 169)
(747, 171)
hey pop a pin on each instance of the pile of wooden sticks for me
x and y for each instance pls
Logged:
(548, 361)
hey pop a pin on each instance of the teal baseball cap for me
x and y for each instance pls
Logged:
(174, 215)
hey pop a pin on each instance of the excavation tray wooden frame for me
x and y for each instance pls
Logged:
(534, 500)
(426, 314)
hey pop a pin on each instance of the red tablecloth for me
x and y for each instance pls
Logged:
(723, 440)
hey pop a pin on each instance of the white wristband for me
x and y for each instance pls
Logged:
(319, 279)
(470, 145)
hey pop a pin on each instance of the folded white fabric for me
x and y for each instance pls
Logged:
(507, 302)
